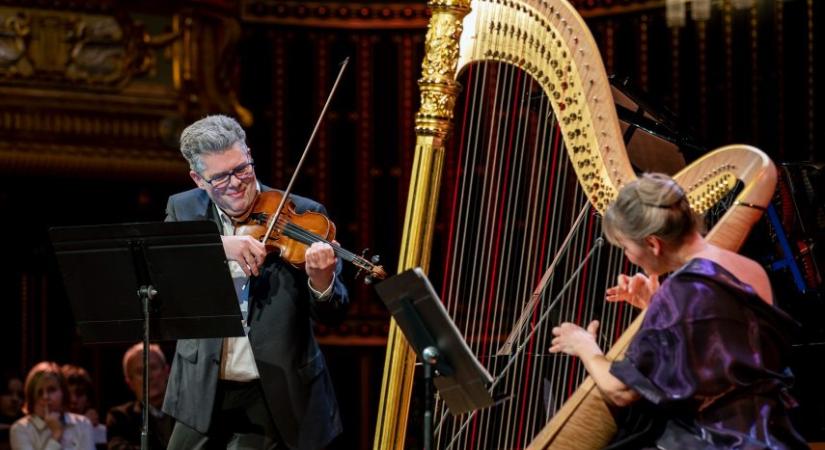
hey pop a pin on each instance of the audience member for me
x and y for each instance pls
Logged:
(11, 405)
(82, 399)
(125, 422)
(47, 425)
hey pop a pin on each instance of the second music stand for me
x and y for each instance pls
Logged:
(448, 362)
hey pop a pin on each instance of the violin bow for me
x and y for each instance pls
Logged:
(277, 214)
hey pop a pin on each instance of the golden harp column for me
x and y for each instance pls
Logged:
(433, 125)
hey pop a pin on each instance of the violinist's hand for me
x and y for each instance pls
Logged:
(636, 290)
(320, 265)
(576, 341)
(247, 251)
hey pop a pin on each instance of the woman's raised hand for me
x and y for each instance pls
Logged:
(636, 290)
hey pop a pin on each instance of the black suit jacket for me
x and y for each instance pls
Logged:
(124, 424)
(293, 371)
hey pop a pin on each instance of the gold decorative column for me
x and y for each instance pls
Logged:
(433, 125)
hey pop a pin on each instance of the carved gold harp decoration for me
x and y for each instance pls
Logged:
(536, 156)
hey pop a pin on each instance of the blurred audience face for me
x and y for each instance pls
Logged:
(45, 389)
(78, 399)
(11, 399)
(158, 375)
(48, 396)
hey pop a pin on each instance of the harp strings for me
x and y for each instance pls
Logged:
(505, 223)
(518, 352)
(512, 202)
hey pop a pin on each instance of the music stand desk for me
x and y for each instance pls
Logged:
(462, 381)
(161, 281)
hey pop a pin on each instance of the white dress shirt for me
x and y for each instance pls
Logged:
(237, 360)
(31, 433)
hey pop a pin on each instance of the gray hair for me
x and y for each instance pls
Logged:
(652, 205)
(136, 351)
(210, 135)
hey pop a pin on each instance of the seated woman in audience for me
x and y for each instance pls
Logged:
(46, 424)
(82, 399)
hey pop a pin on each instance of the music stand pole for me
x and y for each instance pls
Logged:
(146, 294)
(430, 359)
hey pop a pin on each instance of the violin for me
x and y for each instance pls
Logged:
(273, 220)
(294, 232)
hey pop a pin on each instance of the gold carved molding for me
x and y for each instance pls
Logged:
(351, 15)
(395, 14)
(439, 89)
(93, 50)
(103, 91)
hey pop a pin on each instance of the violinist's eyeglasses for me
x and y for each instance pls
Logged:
(243, 172)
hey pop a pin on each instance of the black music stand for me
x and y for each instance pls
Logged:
(461, 380)
(148, 279)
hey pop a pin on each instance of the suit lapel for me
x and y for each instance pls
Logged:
(204, 209)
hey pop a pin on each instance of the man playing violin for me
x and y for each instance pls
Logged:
(271, 388)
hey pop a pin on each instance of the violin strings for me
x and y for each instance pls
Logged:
(308, 237)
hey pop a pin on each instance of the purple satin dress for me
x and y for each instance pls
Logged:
(710, 364)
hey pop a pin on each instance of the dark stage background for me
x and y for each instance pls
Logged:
(93, 95)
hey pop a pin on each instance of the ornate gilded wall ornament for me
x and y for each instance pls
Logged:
(14, 36)
(94, 89)
(53, 46)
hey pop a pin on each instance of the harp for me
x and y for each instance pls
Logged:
(537, 157)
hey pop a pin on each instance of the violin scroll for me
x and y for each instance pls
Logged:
(370, 267)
